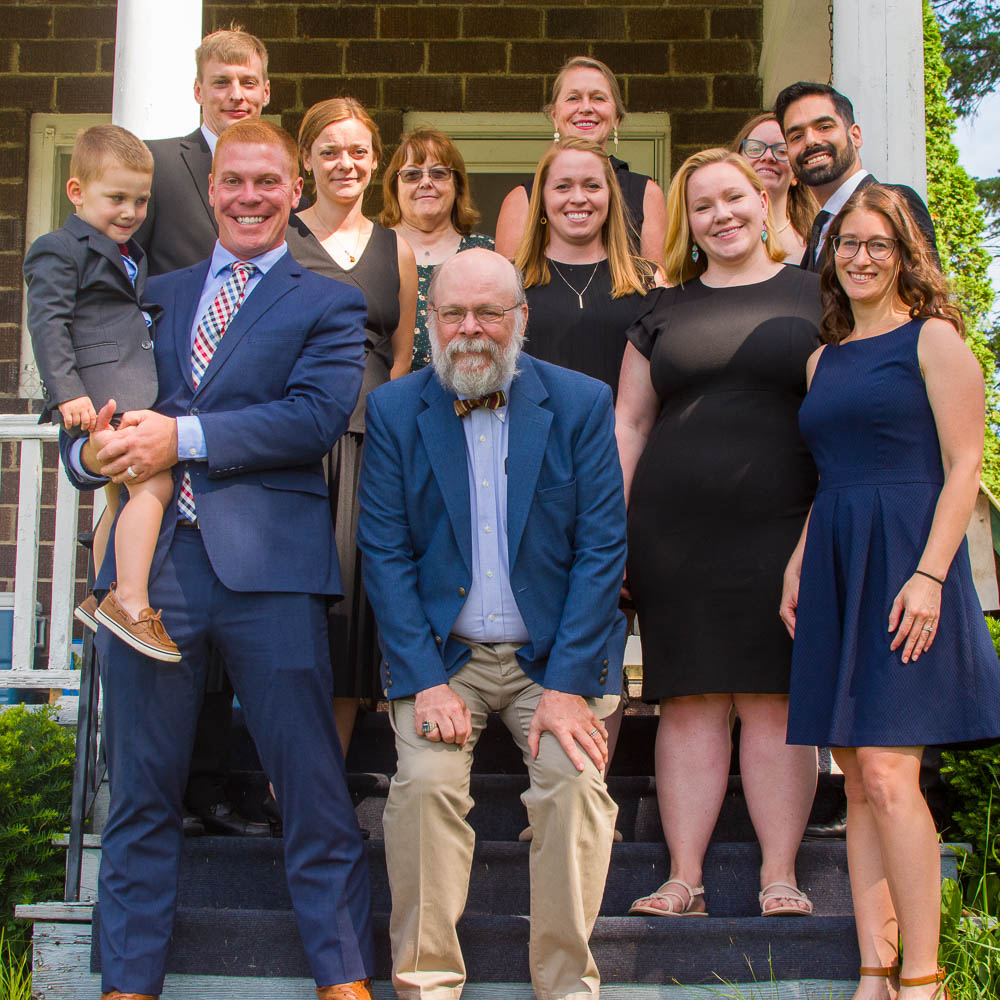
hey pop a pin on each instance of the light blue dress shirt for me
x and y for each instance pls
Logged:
(490, 612)
(190, 435)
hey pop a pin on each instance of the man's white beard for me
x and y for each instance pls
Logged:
(477, 380)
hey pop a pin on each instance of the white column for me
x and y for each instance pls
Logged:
(154, 67)
(878, 62)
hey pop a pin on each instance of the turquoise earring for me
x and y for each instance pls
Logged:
(694, 253)
(763, 235)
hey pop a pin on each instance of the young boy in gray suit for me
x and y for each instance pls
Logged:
(92, 341)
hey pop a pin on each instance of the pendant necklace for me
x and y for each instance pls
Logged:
(578, 294)
(352, 257)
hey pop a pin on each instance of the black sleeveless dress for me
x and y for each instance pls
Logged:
(354, 652)
(633, 191)
(590, 340)
(724, 484)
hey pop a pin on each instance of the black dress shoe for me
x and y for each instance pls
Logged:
(193, 826)
(223, 819)
(835, 829)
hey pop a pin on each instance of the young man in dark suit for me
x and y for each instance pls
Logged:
(259, 363)
(824, 144)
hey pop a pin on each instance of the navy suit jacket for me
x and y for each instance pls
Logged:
(277, 394)
(565, 529)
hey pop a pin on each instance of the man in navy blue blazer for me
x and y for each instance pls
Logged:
(492, 528)
(248, 575)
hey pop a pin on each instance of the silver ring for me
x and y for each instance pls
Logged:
(132, 474)
(927, 628)
(428, 727)
(592, 733)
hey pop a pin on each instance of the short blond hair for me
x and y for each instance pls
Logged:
(254, 131)
(102, 145)
(231, 45)
(677, 246)
(587, 62)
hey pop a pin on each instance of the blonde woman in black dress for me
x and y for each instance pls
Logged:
(340, 147)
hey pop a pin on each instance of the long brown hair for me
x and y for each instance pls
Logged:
(920, 285)
(628, 273)
(429, 145)
(802, 203)
(678, 243)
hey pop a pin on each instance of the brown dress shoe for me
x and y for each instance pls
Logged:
(358, 990)
(116, 995)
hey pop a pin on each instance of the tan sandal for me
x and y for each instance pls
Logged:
(646, 905)
(936, 977)
(882, 971)
(783, 890)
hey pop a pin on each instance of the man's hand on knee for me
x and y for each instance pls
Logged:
(440, 715)
(571, 721)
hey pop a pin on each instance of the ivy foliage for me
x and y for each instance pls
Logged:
(954, 205)
(36, 778)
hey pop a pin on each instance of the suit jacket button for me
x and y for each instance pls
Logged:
(604, 672)
(605, 663)
(194, 411)
(603, 680)
(388, 683)
(146, 344)
(437, 639)
(461, 591)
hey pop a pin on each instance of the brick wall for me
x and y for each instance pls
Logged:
(696, 61)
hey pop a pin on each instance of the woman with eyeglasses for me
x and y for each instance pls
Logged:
(793, 205)
(340, 148)
(891, 649)
(426, 200)
(718, 483)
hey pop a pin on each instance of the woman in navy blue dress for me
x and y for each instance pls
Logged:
(891, 650)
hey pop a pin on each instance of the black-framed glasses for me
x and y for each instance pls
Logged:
(413, 175)
(755, 149)
(487, 315)
(879, 248)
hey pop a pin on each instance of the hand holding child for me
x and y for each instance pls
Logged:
(78, 412)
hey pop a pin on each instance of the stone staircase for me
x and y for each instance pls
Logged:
(235, 935)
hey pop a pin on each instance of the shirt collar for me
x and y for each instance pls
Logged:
(210, 137)
(838, 199)
(222, 258)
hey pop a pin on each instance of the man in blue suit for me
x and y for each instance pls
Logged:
(493, 532)
(259, 364)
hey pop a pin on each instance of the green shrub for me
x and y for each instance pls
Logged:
(15, 973)
(36, 776)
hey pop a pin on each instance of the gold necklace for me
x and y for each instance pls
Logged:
(579, 294)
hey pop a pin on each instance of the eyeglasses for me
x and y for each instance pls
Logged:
(755, 149)
(413, 175)
(487, 315)
(879, 248)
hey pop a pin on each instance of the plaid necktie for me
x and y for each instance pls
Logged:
(491, 401)
(206, 339)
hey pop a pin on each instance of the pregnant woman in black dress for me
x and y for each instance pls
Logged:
(719, 482)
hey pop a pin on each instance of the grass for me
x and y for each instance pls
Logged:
(15, 973)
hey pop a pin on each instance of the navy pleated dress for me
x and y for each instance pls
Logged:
(869, 425)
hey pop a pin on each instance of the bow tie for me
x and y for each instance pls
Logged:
(491, 401)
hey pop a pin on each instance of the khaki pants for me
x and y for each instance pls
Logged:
(429, 844)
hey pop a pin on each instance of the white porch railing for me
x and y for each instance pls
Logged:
(25, 430)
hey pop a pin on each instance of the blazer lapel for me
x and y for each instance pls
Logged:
(444, 439)
(526, 443)
(274, 285)
(197, 158)
(182, 309)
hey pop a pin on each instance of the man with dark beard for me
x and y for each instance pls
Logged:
(493, 533)
(824, 145)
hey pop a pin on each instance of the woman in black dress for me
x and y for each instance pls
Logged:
(586, 103)
(340, 146)
(718, 482)
(584, 286)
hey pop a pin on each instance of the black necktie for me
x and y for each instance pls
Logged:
(809, 261)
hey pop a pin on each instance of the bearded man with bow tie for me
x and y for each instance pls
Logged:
(493, 532)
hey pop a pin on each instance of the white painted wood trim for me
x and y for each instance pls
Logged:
(63, 572)
(29, 498)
